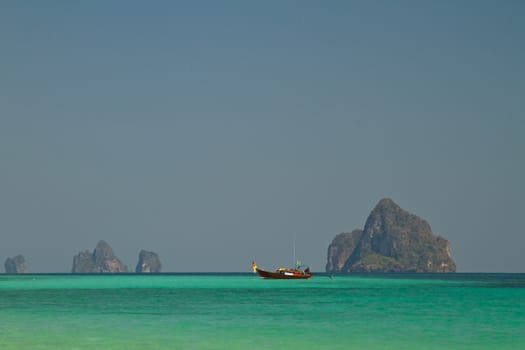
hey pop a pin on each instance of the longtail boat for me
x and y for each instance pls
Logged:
(283, 273)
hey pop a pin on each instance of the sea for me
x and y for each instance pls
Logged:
(243, 311)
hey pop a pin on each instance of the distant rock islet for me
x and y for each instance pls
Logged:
(16, 264)
(104, 260)
(149, 262)
(101, 260)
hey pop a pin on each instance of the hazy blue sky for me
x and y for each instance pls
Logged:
(213, 133)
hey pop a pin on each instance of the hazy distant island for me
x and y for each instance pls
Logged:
(393, 240)
(16, 264)
(149, 262)
(101, 260)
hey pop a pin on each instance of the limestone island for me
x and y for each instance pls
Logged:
(149, 262)
(16, 264)
(393, 240)
(101, 260)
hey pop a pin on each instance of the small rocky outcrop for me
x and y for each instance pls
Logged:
(393, 240)
(341, 248)
(148, 262)
(102, 260)
(15, 265)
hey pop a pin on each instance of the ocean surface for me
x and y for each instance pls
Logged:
(242, 311)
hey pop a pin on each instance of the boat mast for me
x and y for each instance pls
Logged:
(294, 261)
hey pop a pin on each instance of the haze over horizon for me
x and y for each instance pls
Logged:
(218, 133)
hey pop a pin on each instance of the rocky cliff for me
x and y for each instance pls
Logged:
(341, 248)
(148, 262)
(15, 265)
(393, 240)
(102, 260)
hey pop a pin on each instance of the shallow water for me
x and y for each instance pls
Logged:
(242, 311)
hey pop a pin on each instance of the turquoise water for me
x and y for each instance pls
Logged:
(241, 311)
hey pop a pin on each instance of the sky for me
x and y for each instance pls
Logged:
(217, 133)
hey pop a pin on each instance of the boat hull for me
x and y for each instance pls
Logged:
(284, 275)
